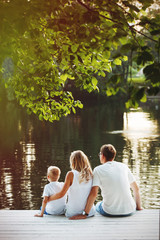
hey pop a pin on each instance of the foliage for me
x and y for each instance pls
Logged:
(50, 47)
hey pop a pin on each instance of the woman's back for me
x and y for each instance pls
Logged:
(77, 196)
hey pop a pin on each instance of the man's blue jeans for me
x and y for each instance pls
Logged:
(100, 210)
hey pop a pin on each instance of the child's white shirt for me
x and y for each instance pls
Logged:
(55, 207)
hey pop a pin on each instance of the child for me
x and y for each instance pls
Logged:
(54, 207)
(78, 184)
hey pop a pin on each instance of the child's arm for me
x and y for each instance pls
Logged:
(67, 184)
(137, 196)
(44, 203)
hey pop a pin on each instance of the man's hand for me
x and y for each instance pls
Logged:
(38, 215)
(139, 209)
(78, 217)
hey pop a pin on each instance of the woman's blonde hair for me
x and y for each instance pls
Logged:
(79, 161)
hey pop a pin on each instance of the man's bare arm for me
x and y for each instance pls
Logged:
(137, 196)
(89, 204)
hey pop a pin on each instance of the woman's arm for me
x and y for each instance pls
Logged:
(89, 204)
(67, 184)
(44, 203)
(136, 194)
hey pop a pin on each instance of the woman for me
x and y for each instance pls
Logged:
(78, 183)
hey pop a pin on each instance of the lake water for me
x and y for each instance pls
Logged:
(28, 146)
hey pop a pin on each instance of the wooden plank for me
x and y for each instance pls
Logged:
(21, 224)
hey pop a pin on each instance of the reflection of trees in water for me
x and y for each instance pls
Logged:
(143, 160)
(153, 107)
(142, 147)
(29, 146)
(149, 156)
(14, 173)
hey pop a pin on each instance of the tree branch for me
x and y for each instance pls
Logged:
(135, 30)
(84, 5)
(131, 28)
(92, 10)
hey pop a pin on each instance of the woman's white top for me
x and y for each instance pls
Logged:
(54, 207)
(77, 196)
(114, 179)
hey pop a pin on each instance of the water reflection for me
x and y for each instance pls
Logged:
(6, 193)
(138, 124)
(141, 134)
(29, 151)
(28, 147)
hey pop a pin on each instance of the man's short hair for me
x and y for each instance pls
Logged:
(108, 151)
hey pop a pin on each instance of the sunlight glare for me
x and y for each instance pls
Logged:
(139, 125)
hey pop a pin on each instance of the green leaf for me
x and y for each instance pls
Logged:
(117, 61)
(131, 6)
(65, 47)
(101, 73)
(74, 48)
(109, 92)
(125, 58)
(152, 72)
(40, 117)
(94, 81)
(64, 76)
(107, 54)
(144, 57)
(128, 104)
(155, 32)
(144, 98)
(79, 104)
(153, 91)
(73, 110)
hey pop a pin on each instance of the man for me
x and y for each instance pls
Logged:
(115, 180)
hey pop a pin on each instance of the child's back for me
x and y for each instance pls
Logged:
(55, 207)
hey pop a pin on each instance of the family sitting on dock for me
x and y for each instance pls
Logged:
(76, 196)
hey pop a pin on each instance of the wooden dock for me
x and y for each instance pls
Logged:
(22, 225)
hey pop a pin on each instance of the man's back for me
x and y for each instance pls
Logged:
(114, 179)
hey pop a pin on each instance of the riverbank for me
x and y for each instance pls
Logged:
(22, 225)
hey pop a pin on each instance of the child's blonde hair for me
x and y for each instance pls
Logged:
(53, 172)
(79, 161)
